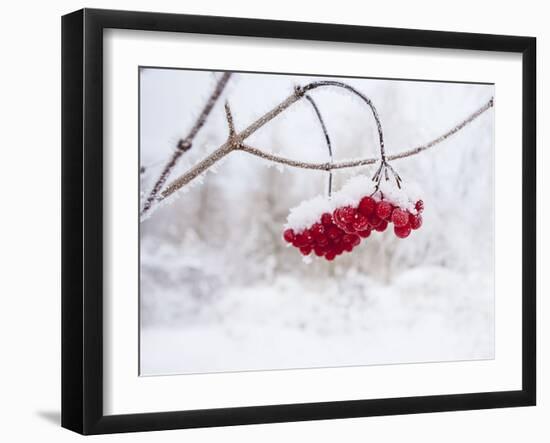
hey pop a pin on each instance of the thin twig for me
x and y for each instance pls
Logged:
(327, 138)
(230, 122)
(230, 145)
(363, 97)
(445, 136)
(186, 143)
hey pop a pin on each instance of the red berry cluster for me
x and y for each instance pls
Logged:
(344, 229)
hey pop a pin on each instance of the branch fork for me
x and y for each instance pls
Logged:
(236, 141)
(382, 172)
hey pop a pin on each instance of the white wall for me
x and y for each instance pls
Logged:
(30, 234)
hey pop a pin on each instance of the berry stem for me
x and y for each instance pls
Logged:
(363, 97)
(327, 139)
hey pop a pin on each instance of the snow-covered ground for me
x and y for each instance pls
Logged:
(220, 291)
(290, 325)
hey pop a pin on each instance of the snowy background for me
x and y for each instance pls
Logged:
(220, 291)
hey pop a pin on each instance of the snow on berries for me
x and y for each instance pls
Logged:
(328, 227)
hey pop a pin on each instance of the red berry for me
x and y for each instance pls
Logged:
(348, 214)
(321, 240)
(365, 233)
(330, 255)
(349, 228)
(299, 240)
(415, 221)
(399, 217)
(308, 236)
(316, 230)
(374, 220)
(367, 206)
(333, 232)
(384, 209)
(350, 241)
(337, 217)
(319, 251)
(382, 226)
(419, 206)
(326, 219)
(305, 250)
(360, 223)
(347, 239)
(288, 235)
(403, 231)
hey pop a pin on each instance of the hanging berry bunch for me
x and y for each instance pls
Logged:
(328, 227)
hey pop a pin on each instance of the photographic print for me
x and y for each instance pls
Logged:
(292, 221)
(255, 204)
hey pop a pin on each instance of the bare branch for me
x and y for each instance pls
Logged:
(186, 143)
(270, 115)
(363, 97)
(230, 122)
(287, 161)
(445, 136)
(327, 138)
(230, 145)
(237, 143)
(237, 139)
(367, 161)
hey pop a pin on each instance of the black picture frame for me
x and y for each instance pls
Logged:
(82, 221)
